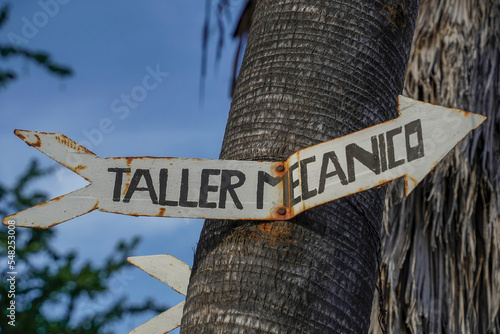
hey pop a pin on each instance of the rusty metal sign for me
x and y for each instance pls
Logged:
(408, 146)
(174, 273)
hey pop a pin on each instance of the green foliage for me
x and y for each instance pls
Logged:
(50, 287)
(40, 58)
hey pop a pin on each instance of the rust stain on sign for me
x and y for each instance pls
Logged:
(35, 144)
(71, 144)
(253, 190)
(80, 167)
(161, 212)
(20, 135)
(129, 161)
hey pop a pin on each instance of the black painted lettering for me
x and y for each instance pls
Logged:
(369, 159)
(390, 148)
(205, 188)
(306, 193)
(183, 198)
(327, 158)
(286, 189)
(140, 173)
(291, 184)
(163, 189)
(381, 149)
(227, 187)
(415, 152)
(117, 190)
(263, 177)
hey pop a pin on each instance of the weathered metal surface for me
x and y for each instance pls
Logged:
(174, 273)
(163, 323)
(166, 268)
(408, 146)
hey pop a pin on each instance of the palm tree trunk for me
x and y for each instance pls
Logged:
(441, 253)
(313, 70)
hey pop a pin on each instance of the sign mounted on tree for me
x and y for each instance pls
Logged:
(408, 146)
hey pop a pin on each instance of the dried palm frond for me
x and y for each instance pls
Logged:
(441, 245)
(221, 11)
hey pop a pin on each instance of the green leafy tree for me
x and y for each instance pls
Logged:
(47, 281)
(50, 289)
(39, 57)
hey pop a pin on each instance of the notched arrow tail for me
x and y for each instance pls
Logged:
(57, 210)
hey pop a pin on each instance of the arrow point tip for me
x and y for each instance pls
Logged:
(478, 119)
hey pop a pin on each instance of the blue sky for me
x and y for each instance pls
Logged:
(112, 46)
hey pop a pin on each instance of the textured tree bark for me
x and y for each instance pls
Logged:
(441, 253)
(313, 70)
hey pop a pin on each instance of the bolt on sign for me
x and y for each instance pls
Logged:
(408, 146)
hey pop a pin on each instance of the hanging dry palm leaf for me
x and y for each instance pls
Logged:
(441, 246)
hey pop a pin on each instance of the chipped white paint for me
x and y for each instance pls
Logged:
(408, 146)
(175, 274)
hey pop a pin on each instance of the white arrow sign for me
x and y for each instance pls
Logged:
(174, 273)
(408, 146)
